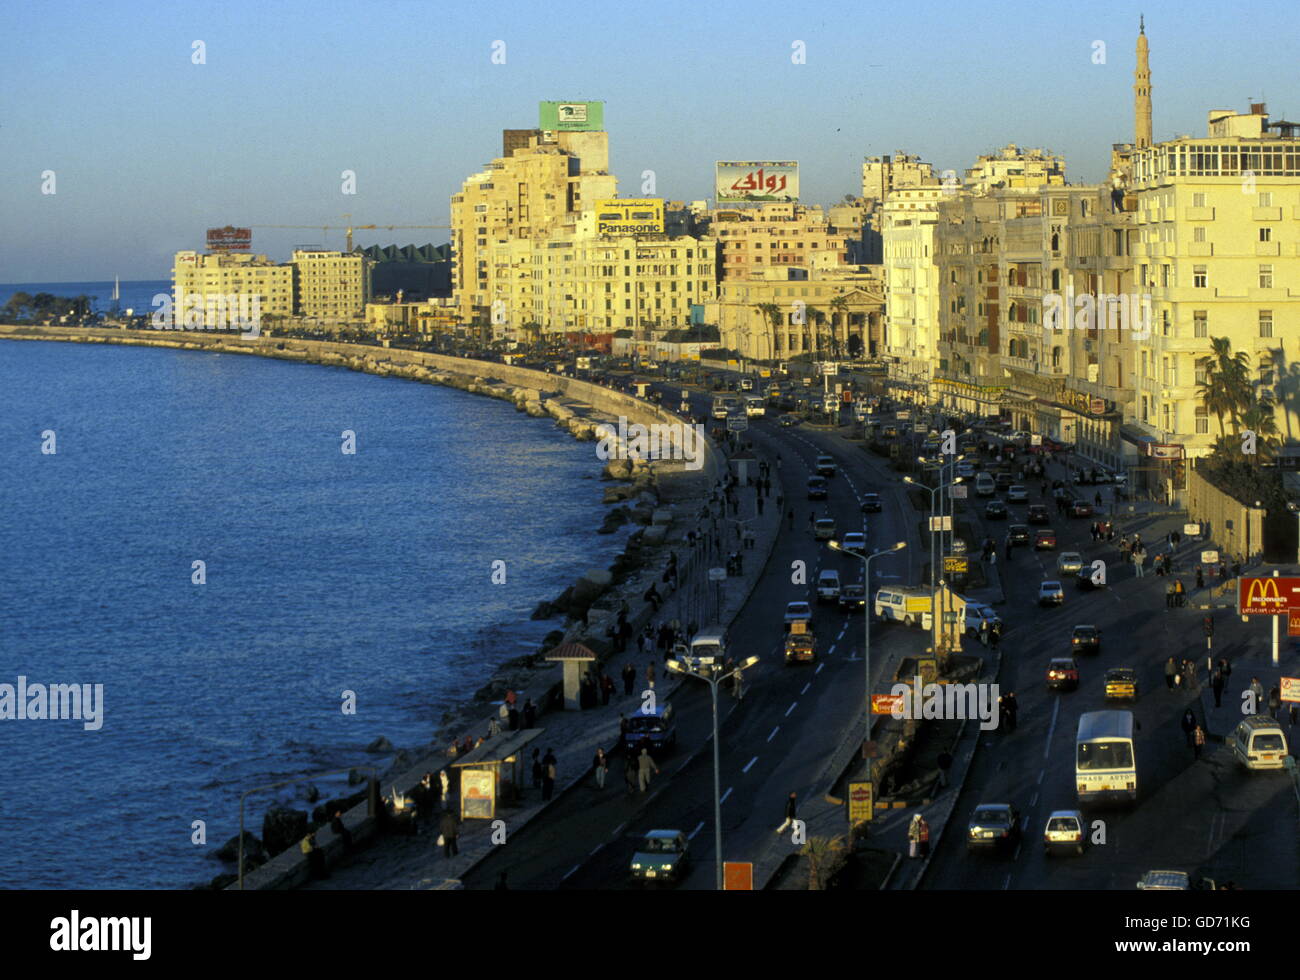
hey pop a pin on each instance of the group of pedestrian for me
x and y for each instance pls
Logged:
(544, 772)
(918, 837)
(1193, 732)
(1007, 709)
(1175, 594)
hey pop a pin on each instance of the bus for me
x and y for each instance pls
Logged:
(1105, 764)
(724, 405)
(755, 407)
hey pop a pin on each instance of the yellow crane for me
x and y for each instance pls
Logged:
(349, 227)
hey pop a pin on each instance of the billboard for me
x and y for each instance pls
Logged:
(1271, 596)
(756, 181)
(571, 117)
(229, 239)
(630, 216)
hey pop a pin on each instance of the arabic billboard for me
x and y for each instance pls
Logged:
(571, 117)
(628, 216)
(756, 181)
(229, 239)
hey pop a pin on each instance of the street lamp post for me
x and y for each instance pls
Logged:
(713, 677)
(934, 575)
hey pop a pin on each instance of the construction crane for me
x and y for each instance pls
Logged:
(349, 227)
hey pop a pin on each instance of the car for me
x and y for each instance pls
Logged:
(746, 384)
(663, 855)
(817, 488)
(655, 728)
(1065, 831)
(995, 510)
(1062, 674)
(1122, 682)
(824, 529)
(825, 466)
(1069, 562)
(1085, 639)
(853, 597)
(1167, 881)
(1045, 540)
(965, 469)
(1080, 508)
(1017, 494)
(1050, 593)
(1088, 579)
(978, 613)
(1018, 534)
(788, 420)
(855, 540)
(1037, 514)
(1003, 482)
(797, 612)
(871, 503)
(993, 827)
(828, 585)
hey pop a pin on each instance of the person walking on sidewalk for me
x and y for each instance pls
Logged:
(629, 678)
(790, 816)
(601, 765)
(530, 714)
(1189, 725)
(1216, 683)
(548, 774)
(650, 675)
(1198, 740)
(1257, 689)
(644, 766)
(606, 688)
(1171, 671)
(448, 832)
(629, 774)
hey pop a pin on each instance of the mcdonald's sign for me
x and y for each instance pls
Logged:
(1271, 596)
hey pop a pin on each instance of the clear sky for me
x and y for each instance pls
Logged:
(149, 149)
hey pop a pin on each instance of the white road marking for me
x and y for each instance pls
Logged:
(750, 764)
(1034, 802)
(791, 708)
(831, 650)
(1040, 776)
(595, 849)
(570, 871)
(840, 635)
(619, 827)
(805, 688)
(1006, 882)
(1056, 710)
(724, 796)
(819, 668)
(691, 835)
(774, 731)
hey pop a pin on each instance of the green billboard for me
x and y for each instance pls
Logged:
(571, 117)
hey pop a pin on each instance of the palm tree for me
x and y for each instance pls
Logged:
(1258, 418)
(826, 856)
(1230, 373)
(773, 314)
(814, 317)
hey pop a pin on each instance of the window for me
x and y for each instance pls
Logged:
(1198, 200)
(1164, 276)
(1266, 234)
(1202, 420)
(1200, 325)
(1198, 233)
(1265, 199)
(1265, 277)
(1266, 323)
(1199, 278)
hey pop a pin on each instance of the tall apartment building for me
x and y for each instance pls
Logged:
(533, 194)
(1015, 168)
(217, 276)
(329, 285)
(881, 176)
(754, 239)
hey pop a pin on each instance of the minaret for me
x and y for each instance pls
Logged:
(1142, 91)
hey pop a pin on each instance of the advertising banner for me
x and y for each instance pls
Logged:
(571, 117)
(627, 216)
(229, 239)
(737, 180)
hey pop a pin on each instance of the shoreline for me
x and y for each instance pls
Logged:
(639, 493)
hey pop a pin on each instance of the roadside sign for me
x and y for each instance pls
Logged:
(737, 425)
(862, 803)
(1291, 688)
(1268, 596)
(1192, 530)
(958, 491)
(717, 574)
(1036, 439)
(1293, 623)
(1209, 557)
(1097, 406)
(956, 565)
(941, 523)
(737, 876)
(884, 704)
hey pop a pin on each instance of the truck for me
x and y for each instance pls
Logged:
(800, 643)
(912, 607)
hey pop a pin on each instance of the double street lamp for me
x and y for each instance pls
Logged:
(934, 572)
(709, 670)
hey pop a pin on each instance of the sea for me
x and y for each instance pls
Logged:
(136, 295)
(185, 529)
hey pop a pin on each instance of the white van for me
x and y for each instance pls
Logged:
(984, 485)
(908, 606)
(828, 586)
(709, 645)
(1258, 743)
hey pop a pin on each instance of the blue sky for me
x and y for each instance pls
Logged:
(149, 149)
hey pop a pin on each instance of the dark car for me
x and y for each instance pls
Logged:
(664, 855)
(1087, 579)
(1045, 540)
(871, 503)
(655, 730)
(1080, 508)
(853, 597)
(1037, 514)
(1063, 674)
(1085, 639)
(995, 510)
(1018, 534)
(817, 488)
(993, 827)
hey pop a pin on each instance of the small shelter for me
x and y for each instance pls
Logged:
(575, 658)
(493, 771)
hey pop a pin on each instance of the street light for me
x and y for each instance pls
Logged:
(1295, 509)
(934, 575)
(713, 676)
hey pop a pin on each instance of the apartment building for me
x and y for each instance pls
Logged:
(214, 277)
(329, 286)
(752, 240)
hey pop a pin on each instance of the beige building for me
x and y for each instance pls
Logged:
(881, 176)
(218, 276)
(329, 286)
(912, 284)
(1016, 168)
(753, 240)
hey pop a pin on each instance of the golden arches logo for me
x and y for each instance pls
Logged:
(1263, 591)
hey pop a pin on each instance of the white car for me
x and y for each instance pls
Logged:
(855, 540)
(1017, 494)
(828, 585)
(1050, 593)
(797, 612)
(1069, 563)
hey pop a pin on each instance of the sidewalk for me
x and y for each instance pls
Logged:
(574, 736)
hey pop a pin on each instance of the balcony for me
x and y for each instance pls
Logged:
(1266, 214)
(1200, 250)
(1268, 248)
(1198, 214)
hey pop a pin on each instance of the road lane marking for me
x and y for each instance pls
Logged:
(1056, 710)
(831, 650)
(691, 835)
(724, 796)
(1040, 776)
(819, 669)
(1006, 882)
(774, 731)
(570, 871)
(750, 764)
(619, 827)
(805, 689)
(1034, 801)
(595, 849)
(791, 708)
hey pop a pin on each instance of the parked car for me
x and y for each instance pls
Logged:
(663, 855)
(993, 826)
(871, 503)
(995, 510)
(1016, 494)
(1045, 540)
(817, 488)
(1085, 639)
(1069, 562)
(1037, 514)
(1121, 682)
(1066, 831)
(1063, 674)
(1018, 534)
(1050, 593)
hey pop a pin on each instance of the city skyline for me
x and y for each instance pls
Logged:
(107, 219)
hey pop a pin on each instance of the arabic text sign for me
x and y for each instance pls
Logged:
(1291, 688)
(884, 704)
(1268, 596)
(229, 239)
(571, 116)
(862, 805)
(627, 216)
(757, 181)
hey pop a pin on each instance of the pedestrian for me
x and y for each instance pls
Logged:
(1171, 671)
(644, 765)
(537, 768)
(606, 688)
(494, 728)
(548, 774)
(1198, 740)
(315, 856)
(1012, 708)
(650, 675)
(984, 631)
(1180, 593)
(994, 636)
(1139, 556)
(601, 765)
(1200, 578)
(1216, 683)
(1257, 692)
(914, 836)
(629, 677)
(1274, 700)
(790, 515)
(341, 831)
(1226, 669)
(629, 774)
(530, 714)
(790, 804)
(449, 830)
(1169, 592)
(444, 781)
(1189, 724)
